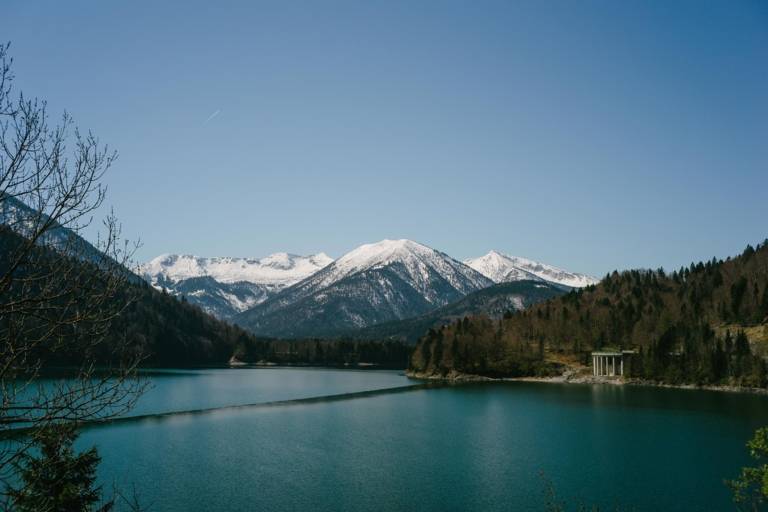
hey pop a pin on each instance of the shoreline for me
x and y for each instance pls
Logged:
(458, 377)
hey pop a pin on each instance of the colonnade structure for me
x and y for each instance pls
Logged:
(610, 364)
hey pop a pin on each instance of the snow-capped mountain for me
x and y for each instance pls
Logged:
(501, 268)
(276, 269)
(226, 286)
(287, 295)
(384, 281)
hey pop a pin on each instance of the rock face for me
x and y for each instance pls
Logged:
(224, 287)
(374, 283)
(502, 268)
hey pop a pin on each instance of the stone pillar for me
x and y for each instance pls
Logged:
(621, 365)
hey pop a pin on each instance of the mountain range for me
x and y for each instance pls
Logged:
(385, 281)
(390, 290)
(225, 287)
(293, 296)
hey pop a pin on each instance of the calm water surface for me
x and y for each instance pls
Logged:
(475, 447)
(183, 390)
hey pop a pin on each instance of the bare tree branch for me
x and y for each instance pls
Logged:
(58, 293)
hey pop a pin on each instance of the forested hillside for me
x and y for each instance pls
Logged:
(495, 301)
(706, 324)
(162, 329)
(174, 332)
(132, 316)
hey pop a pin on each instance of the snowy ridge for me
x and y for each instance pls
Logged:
(225, 286)
(288, 295)
(502, 268)
(417, 259)
(281, 269)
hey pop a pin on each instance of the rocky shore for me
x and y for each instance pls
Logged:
(575, 377)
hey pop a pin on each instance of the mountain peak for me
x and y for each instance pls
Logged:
(382, 252)
(501, 267)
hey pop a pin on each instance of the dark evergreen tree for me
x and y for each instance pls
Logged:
(57, 479)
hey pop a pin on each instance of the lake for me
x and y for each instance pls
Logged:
(489, 447)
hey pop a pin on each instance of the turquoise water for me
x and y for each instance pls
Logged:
(182, 390)
(477, 447)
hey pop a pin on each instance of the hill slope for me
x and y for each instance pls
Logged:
(702, 324)
(495, 301)
(165, 330)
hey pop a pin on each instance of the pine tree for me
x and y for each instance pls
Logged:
(58, 479)
(764, 303)
(737, 295)
(742, 344)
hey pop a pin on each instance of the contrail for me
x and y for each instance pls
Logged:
(218, 111)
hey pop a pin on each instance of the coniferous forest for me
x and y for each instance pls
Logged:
(164, 330)
(702, 324)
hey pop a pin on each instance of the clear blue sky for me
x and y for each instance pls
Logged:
(590, 135)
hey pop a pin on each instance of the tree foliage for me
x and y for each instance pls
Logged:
(751, 487)
(58, 293)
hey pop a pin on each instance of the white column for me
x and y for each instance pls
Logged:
(613, 366)
(621, 365)
(594, 368)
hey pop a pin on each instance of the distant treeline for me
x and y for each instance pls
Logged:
(173, 332)
(705, 324)
(388, 354)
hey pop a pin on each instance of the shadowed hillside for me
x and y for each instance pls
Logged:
(495, 301)
(168, 331)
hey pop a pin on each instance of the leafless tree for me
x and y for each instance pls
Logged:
(58, 293)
